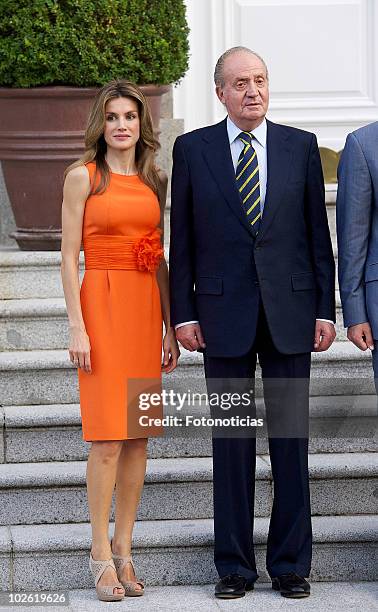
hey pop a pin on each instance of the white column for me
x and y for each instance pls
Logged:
(194, 98)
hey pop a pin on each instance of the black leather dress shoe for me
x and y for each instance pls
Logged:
(232, 586)
(291, 585)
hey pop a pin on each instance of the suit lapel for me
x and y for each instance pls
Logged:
(217, 155)
(279, 156)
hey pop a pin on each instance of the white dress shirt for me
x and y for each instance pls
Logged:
(259, 144)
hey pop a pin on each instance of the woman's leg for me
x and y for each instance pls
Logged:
(101, 476)
(129, 484)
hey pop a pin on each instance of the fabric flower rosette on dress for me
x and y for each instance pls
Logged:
(148, 251)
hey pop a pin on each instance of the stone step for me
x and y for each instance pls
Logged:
(48, 377)
(334, 596)
(175, 552)
(33, 323)
(53, 432)
(41, 323)
(36, 274)
(30, 274)
(55, 492)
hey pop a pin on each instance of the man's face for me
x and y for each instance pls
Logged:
(245, 90)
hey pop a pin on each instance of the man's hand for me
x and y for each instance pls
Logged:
(190, 336)
(361, 336)
(324, 335)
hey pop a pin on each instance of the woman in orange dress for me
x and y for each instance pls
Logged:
(113, 202)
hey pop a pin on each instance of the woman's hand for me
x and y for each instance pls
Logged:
(80, 348)
(171, 351)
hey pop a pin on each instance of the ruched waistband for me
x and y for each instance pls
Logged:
(110, 252)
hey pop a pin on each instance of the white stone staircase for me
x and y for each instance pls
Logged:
(43, 509)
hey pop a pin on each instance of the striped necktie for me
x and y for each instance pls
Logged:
(248, 181)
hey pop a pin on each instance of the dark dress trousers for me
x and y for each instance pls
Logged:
(254, 295)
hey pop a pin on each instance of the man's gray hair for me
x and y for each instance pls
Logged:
(218, 72)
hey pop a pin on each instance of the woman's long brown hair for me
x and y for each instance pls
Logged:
(95, 145)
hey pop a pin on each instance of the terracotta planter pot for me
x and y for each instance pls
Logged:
(42, 132)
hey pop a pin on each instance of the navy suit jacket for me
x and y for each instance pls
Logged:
(219, 268)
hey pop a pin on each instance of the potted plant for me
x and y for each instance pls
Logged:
(53, 57)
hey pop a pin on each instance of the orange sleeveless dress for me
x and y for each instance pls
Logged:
(120, 302)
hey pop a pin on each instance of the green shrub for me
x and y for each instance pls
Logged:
(89, 42)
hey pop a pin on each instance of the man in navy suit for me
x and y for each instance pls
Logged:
(252, 273)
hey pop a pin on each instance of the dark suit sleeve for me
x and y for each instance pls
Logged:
(181, 253)
(319, 236)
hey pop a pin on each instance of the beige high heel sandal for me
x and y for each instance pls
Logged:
(128, 585)
(104, 593)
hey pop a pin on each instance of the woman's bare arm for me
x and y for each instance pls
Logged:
(162, 272)
(75, 193)
(170, 346)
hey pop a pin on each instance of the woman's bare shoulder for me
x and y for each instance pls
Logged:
(78, 174)
(78, 178)
(77, 182)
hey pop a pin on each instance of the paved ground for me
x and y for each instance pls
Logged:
(326, 597)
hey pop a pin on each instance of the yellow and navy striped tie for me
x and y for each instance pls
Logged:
(248, 181)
